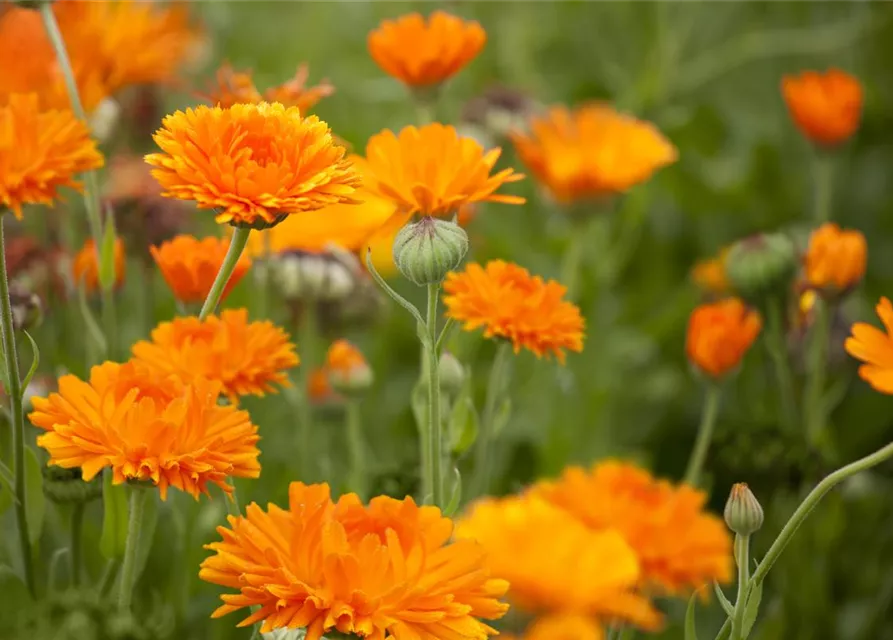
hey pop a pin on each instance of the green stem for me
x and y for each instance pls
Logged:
(823, 172)
(813, 397)
(742, 558)
(108, 577)
(570, 264)
(17, 417)
(77, 528)
(724, 630)
(497, 382)
(434, 469)
(236, 246)
(704, 437)
(357, 475)
(263, 298)
(775, 341)
(308, 339)
(138, 498)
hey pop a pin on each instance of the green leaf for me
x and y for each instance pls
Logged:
(107, 255)
(501, 417)
(150, 520)
(754, 595)
(690, 631)
(455, 495)
(464, 424)
(114, 519)
(15, 593)
(55, 563)
(92, 326)
(6, 484)
(35, 362)
(419, 403)
(727, 606)
(35, 507)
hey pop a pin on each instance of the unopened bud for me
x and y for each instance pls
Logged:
(349, 373)
(761, 266)
(67, 486)
(425, 251)
(452, 373)
(743, 512)
(323, 276)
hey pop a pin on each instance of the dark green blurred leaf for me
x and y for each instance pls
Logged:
(114, 518)
(463, 423)
(35, 507)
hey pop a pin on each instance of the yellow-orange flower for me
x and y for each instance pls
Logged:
(422, 53)
(509, 303)
(564, 626)
(253, 163)
(85, 267)
(433, 171)
(376, 571)
(679, 546)
(719, 334)
(875, 349)
(836, 258)
(582, 572)
(826, 107)
(190, 265)
(40, 151)
(234, 87)
(318, 387)
(710, 275)
(248, 358)
(147, 426)
(591, 151)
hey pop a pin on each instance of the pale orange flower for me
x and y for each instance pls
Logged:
(720, 334)
(252, 163)
(509, 303)
(190, 266)
(826, 107)
(875, 349)
(234, 87)
(835, 259)
(710, 275)
(377, 571)
(295, 93)
(248, 358)
(318, 387)
(40, 151)
(591, 151)
(679, 546)
(147, 426)
(564, 626)
(423, 53)
(346, 366)
(85, 266)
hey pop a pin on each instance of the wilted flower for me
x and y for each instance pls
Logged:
(826, 107)
(835, 259)
(85, 267)
(710, 275)
(719, 334)
(190, 265)
(875, 348)
(234, 87)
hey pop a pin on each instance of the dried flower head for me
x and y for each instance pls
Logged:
(591, 151)
(509, 303)
(376, 571)
(835, 259)
(85, 266)
(190, 265)
(719, 334)
(875, 349)
(826, 107)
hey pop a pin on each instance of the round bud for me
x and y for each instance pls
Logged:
(425, 251)
(743, 512)
(353, 380)
(452, 373)
(305, 275)
(66, 486)
(761, 266)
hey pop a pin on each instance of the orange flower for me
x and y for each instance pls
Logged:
(318, 387)
(592, 151)
(710, 275)
(564, 626)
(580, 571)
(422, 53)
(189, 266)
(826, 107)
(875, 348)
(347, 368)
(295, 93)
(510, 303)
(678, 545)
(234, 87)
(40, 151)
(719, 334)
(376, 571)
(836, 258)
(253, 163)
(248, 358)
(432, 171)
(147, 426)
(85, 268)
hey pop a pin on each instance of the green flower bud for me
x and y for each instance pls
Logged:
(425, 251)
(743, 512)
(353, 381)
(452, 373)
(66, 486)
(762, 266)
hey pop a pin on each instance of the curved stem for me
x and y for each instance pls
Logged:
(483, 448)
(814, 408)
(77, 528)
(17, 418)
(236, 246)
(705, 435)
(138, 497)
(778, 351)
(742, 558)
(434, 469)
(823, 172)
(357, 475)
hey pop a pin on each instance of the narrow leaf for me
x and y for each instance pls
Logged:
(727, 606)
(752, 610)
(15, 593)
(147, 534)
(114, 519)
(35, 506)
(455, 495)
(107, 255)
(35, 362)
(501, 418)
(55, 563)
(690, 630)
(464, 425)
(6, 496)
(419, 403)
(92, 326)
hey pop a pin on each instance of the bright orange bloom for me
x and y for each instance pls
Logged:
(190, 265)
(376, 571)
(85, 267)
(719, 334)
(40, 151)
(580, 571)
(253, 163)
(509, 303)
(234, 87)
(433, 171)
(422, 53)
(147, 426)
(564, 626)
(710, 275)
(318, 386)
(678, 545)
(248, 358)
(826, 107)
(875, 348)
(592, 151)
(836, 258)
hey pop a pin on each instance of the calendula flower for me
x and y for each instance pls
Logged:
(826, 107)
(564, 626)
(509, 303)
(423, 53)
(318, 387)
(719, 334)
(591, 151)
(347, 369)
(190, 265)
(679, 546)
(835, 259)
(248, 358)
(583, 572)
(85, 267)
(433, 171)
(253, 163)
(40, 151)
(147, 426)
(710, 275)
(875, 349)
(376, 571)
(296, 93)
(234, 87)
